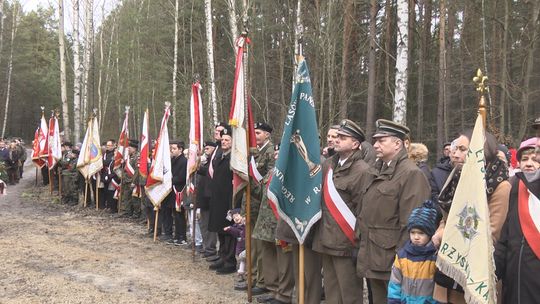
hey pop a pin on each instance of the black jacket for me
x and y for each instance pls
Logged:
(203, 187)
(438, 177)
(516, 264)
(221, 197)
(178, 168)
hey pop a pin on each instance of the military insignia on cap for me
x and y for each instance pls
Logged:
(225, 131)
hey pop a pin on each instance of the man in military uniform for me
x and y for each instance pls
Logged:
(130, 205)
(336, 243)
(68, 165)
(263, 253)
(394, 187)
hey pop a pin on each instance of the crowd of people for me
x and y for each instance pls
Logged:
(12, 158)
(400, 205)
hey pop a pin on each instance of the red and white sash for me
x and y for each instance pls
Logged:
(116, 186)
(129, 169)
(178, 195)
(337, 207)
(253, 170)
(529, 217)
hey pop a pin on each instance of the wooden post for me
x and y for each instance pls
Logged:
(96, 194)
(301, 274)
(156, 223)
(50, 181)
(85, 192)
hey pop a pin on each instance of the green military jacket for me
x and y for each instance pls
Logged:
(265, 220)
(133, 161)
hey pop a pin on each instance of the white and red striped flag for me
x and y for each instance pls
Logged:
(121, 154)
(54, 148)
(195, 133)
(144, 153)
(159, 181)
(43, 137)
(39, 162)
(239, 149)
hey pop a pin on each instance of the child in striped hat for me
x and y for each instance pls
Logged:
(411, 280)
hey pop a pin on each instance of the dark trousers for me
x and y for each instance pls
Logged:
(110, 202)
(179, 223)
(209, 238)
(227, 245)
(45, 175)
(165, 220)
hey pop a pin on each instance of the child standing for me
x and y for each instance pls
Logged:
(411, 280)
(237, 230)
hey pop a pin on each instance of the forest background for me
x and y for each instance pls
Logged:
(128, 58)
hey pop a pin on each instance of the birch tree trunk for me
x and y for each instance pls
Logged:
(63, 84)
(10, 66)
(233, 23)
(89, 36)
(442, 76)
(372, 70)
(77, 69)
(175, 70)
(1, 27)
(210, 58)
(504, 69)
(100, 73)
(400, 96)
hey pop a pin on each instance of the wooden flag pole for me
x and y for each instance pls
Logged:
(36, 176)
(50, 181)
(120, 193)
(301, 274)
(156, 223)
(96, 194)
(193, 221)
(85, 192)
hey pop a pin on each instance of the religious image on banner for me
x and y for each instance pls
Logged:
(466, 250)
(90, 159)
(295, 189)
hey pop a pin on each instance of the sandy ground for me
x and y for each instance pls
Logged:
(51, 253)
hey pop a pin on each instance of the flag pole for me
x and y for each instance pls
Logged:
(193, 221)
(59, 172)
(481, 87)
(301, 274)
(120, 191)
(97, 190)
(50, 181)
(85, 192)
(156, 223)
(36, 176)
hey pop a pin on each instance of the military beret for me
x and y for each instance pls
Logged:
(134, 143)
(348, 128)
(221, 124)
(67, 144)
(447, 144)
(390, 128)
(226, 131)
(263, 126)
(210, 143)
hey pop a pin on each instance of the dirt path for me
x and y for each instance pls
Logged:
(51, 253)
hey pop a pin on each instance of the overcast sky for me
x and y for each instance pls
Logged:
(30, 5)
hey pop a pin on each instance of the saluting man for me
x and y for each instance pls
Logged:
(394, 187)
(130, 204)
(334, 237)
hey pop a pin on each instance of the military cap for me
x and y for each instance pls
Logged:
(134, 143)
(536, 124)
(390, 128)
(226, 131)
(221, 124)
(210, 143)
(348, 128)
(263, 126)
(67, 144)
(447, 144)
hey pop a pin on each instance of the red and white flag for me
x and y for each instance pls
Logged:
(338, 208)
(195, 133)
(54, 152)
(43, 137)
(144, 153)
(39, 162)
(159, 181)
(121, 154)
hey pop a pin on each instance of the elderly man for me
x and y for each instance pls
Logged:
(394, 187)
(334, 239)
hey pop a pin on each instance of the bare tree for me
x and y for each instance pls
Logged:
(77, 68)
(372, 67)
(348, 11)
(400, 97)
(63, 84)
(88, 49)
(210, 58)
(10, 66)
(233, 24)
(175, 70)
(442, 76)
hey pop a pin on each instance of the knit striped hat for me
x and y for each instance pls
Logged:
(424, 218)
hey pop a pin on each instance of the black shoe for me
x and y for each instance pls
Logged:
(258, 290)
(165, 238)
(216, 265)
(265, 298)
(240, 286)
(212, 258)
(226, 270)
(207, 254)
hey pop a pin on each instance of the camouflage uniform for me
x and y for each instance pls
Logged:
(70, 189)
(130, 205)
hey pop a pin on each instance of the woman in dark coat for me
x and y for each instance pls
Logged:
(516, 263)
(220, 204)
